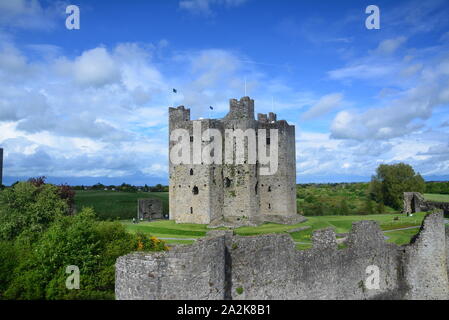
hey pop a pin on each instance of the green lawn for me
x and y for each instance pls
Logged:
(123, 205)
(169, 229)
(341, 224)
(112, 205)
(401, 236)
(436, 197)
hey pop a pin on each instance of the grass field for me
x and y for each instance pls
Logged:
(337, 199)
(112, 205)
(341, 224)
(436, 197)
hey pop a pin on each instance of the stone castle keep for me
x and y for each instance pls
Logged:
(223, 194)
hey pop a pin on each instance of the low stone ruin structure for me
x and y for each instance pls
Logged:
(149, 209)
(226, 266)
(415, 202)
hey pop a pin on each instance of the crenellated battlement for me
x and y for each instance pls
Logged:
(267, 118)
(178, 114)
(240, 109)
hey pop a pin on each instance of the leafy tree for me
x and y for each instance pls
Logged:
(68, 195)
(28, 207)
(318, 208)
(369, 207)
(157, 188)
(380, 207)
(124, 187)
(98, 186)
(37, 182)
(343, 209)
(391, 181)
(8, 261)
(437, 187)
(78, 240)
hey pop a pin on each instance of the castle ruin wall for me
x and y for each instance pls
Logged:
(225, 266)
(415, 202)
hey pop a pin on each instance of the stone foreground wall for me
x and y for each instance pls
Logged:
(224, 266)
(185, 272)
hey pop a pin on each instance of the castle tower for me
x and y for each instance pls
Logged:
(240, 195)
(231, 190)
(194, 188)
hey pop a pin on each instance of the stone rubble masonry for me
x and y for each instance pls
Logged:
(233, 194)
(149, 209)
(415, 202)
(226, 266)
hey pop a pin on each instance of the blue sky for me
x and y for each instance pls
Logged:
(90, 105)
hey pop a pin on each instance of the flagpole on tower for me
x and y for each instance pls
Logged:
(245, 86)
(210, 108)
(173, 97)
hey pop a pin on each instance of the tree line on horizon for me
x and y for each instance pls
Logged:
(383, 194)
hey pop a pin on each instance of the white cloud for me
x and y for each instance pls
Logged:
(104, 112)
(361, 71)
(411, 70)
(11, 60)
(319, 155)
(389, 46)
(30, 14)
(80, 117)
(324, 105)
(415, 87)
(94, 67)
(205, 6)
(415, 16)
(397, 117)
